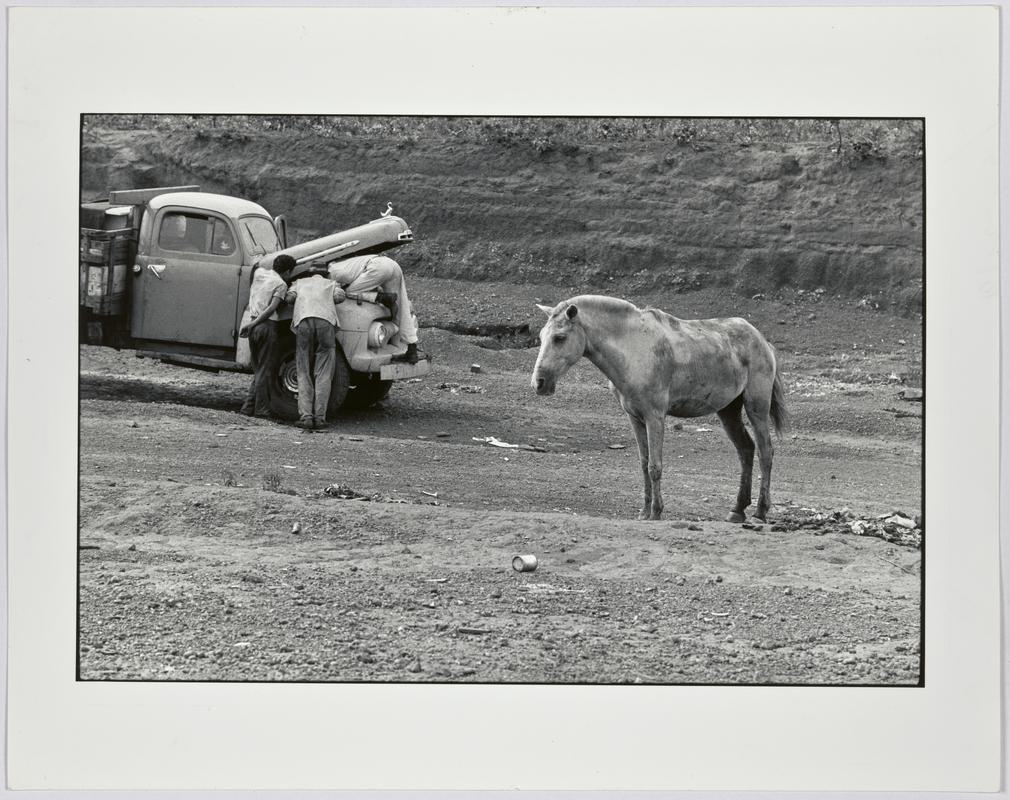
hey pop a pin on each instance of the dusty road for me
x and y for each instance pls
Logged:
(190, 570)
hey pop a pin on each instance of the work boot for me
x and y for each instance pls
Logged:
(411, 356)
(306, 423)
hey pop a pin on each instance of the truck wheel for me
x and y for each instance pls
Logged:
(367, 393)
(284, 383)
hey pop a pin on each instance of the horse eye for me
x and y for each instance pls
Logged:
(559, 338)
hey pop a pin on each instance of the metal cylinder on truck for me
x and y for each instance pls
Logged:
(372, 237)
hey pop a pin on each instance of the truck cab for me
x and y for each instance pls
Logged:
(195, 256)
(167, 272)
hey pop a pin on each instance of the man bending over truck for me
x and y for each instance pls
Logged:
(364, 273)
(265, 296)
(314, 322)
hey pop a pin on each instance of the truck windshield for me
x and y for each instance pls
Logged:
(259, 236)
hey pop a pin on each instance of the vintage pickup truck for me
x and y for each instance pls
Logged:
(167, 273)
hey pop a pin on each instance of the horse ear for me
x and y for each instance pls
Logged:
(546, 309)
(571, 312)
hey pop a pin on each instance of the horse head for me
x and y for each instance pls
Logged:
(562, 343)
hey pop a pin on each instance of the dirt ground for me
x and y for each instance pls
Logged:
(190, 569)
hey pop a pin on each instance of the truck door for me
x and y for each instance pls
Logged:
(187, 288)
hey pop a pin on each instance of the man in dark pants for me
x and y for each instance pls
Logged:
(265, 296)
(314, 322)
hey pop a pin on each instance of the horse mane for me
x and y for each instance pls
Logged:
(596, 303)
(615, 309)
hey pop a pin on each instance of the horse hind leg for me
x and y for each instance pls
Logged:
(758, 412)
(732, 423)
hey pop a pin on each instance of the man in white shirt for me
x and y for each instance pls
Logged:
(314, 322)
(364, 273)
(265, 296)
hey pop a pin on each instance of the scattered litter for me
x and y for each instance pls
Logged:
(456, 388)
(678, 426)
(527, 563)
(220, 434)
(901, 521)
(475, 368)
(702, 430)
(342, 492)
(719, 613)
(912, 395)
(617, 446)
(430, 494)
(438, 580)
(474, 631)
(355, 439)
(296, 528)
(442, 434)
(496, 442)
(289, 466)
(242, 644)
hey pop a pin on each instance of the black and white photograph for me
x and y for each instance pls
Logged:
(504, 399)
(501, 399)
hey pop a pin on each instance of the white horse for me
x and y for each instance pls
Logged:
(659, 365)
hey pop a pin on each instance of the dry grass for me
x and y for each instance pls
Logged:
(854, 139)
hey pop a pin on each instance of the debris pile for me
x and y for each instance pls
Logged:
(895, 527)
(342, 491)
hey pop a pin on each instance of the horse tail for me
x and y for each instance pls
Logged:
(779, 414)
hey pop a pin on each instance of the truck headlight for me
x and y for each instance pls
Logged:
(379, 333)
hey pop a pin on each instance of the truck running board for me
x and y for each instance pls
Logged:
(195, 362)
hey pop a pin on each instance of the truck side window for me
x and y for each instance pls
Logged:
(185, 233)
(223, 241)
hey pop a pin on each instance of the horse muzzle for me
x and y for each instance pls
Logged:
(543, 386)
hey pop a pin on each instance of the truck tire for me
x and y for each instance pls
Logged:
(366, 393)
(284, 382)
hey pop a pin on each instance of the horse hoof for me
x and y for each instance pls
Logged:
(760, 519)
(736, 516)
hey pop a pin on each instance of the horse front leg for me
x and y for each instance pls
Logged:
(766, 452)
(642, 438)
(654, 428)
